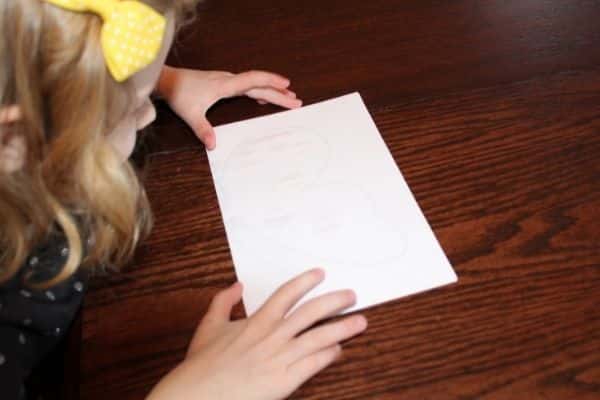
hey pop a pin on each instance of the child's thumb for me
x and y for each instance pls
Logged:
(218, 314)
(220, 308)
(205, 132)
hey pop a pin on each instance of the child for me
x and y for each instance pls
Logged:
(75, 78)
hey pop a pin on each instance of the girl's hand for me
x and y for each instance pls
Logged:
(190, 93)
(267, 356)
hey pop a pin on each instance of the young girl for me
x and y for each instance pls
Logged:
(75, 77)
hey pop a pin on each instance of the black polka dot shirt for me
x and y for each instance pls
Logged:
(33, 321)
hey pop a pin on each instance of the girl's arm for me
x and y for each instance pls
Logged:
(267, 356)
(190, 93)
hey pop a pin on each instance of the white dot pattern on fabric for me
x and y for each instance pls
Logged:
(57, 331)
(132, 38)
(50, 295)
(22, 338)
(78, 286)
(2, 359)
(25, 293)
(125, 21)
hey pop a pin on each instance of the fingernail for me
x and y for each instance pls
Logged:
(319, 272)
(340, 353)
(361, 323)
(351, 295)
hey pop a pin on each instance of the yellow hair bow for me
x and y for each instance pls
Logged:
(131, 36)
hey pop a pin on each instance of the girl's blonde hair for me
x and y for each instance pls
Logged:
(72, 180)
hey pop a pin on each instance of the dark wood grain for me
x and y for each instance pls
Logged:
(492, 111)
(389, 50)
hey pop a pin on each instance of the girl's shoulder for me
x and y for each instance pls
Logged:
(33, 319)
(26, 302)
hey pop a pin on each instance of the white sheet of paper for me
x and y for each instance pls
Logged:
(318, 187)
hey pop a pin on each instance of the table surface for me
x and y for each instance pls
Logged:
(491, 110)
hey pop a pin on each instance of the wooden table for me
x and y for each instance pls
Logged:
(491, 109)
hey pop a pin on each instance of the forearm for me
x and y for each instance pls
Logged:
(166, 84)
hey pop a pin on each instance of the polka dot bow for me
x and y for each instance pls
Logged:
(131, 36)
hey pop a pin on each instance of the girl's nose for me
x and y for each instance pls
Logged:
(145, 115)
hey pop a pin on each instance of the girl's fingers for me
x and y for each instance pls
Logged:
(286, 99)
(263, 79)
(302, 370)
(287, 92)
(241, 83)
(278, 305)
(323, 337)
(312, 311)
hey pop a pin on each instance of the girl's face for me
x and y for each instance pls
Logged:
(123, 137)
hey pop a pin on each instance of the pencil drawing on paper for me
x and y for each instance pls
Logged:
(318, 187)
(285, 195)
(288, 148)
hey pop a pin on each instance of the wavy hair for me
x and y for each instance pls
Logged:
(72, 180)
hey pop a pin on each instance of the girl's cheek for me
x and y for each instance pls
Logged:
(123, 137)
